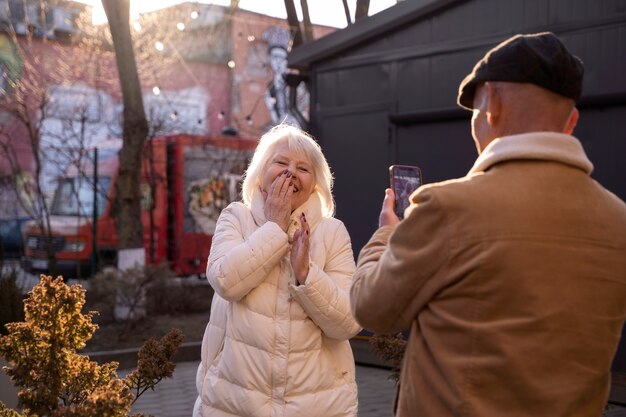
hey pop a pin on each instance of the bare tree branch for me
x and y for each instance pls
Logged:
(346, 9)
(362, 9)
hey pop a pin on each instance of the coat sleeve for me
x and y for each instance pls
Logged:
(396, 269)
(238, 264)
(325, 295)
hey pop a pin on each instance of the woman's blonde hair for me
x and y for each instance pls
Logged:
(299, 142)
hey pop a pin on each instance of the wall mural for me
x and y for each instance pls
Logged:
(277, 94)
(212, 178)
(11, 64)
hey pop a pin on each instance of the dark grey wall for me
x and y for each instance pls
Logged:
(391, 99)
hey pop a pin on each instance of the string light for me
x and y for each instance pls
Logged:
(182, 26)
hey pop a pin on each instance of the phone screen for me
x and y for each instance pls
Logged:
(404, 180)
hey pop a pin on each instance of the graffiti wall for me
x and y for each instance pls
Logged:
(212, 180)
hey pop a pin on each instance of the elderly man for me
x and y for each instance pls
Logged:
(512, 279)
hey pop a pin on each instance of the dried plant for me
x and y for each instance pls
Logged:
(56, 381)
(390, 349)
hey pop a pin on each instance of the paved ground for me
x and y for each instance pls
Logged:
(175, 397)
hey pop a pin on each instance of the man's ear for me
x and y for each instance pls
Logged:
(572, 120)
(494, 103)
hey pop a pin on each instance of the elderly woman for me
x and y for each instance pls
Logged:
(281, 267)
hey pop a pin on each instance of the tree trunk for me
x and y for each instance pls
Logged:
(306, 21)
(135, 131)
(362, 9)
(294, 23)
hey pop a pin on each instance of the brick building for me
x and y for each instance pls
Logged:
(204, 69)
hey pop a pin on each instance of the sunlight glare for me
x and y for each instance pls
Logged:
(325, 12)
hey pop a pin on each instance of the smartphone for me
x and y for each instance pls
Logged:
(404, 180)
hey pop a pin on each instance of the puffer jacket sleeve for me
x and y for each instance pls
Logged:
(238, 264)
(325, 295)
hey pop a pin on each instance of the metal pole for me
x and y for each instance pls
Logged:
(94, 220)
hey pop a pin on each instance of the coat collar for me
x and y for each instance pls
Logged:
(547, 146)
(312, 209)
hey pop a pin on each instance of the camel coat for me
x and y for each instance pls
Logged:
(512, 281)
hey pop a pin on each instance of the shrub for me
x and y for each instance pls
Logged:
(390, 349)
(156, 286)
(175, 296)
(11, 299)
(101, 294)
(54, 380)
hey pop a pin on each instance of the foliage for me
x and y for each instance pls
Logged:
(101, 294)
(390, 349)
(6, 412)
(154, 362)
(55, 381)
(170, 295)
(164, 292)
(11, 304)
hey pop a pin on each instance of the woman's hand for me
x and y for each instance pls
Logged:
(300, 251)
(277, 207)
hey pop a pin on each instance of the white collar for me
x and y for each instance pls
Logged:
(551, 146)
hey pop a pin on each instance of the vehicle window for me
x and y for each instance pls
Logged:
(74, 196)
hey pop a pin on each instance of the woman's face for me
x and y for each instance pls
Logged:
(303, 177)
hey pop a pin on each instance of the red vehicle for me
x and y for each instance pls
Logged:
(186, 181)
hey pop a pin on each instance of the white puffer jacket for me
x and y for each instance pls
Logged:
(273, 347)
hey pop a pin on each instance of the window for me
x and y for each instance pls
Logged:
(74, 196)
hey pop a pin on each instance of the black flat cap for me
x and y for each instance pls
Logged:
(539, 59)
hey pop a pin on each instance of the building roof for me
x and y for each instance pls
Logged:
(390, 19)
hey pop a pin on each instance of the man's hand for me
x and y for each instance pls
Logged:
(277, 207)
(387, 214)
